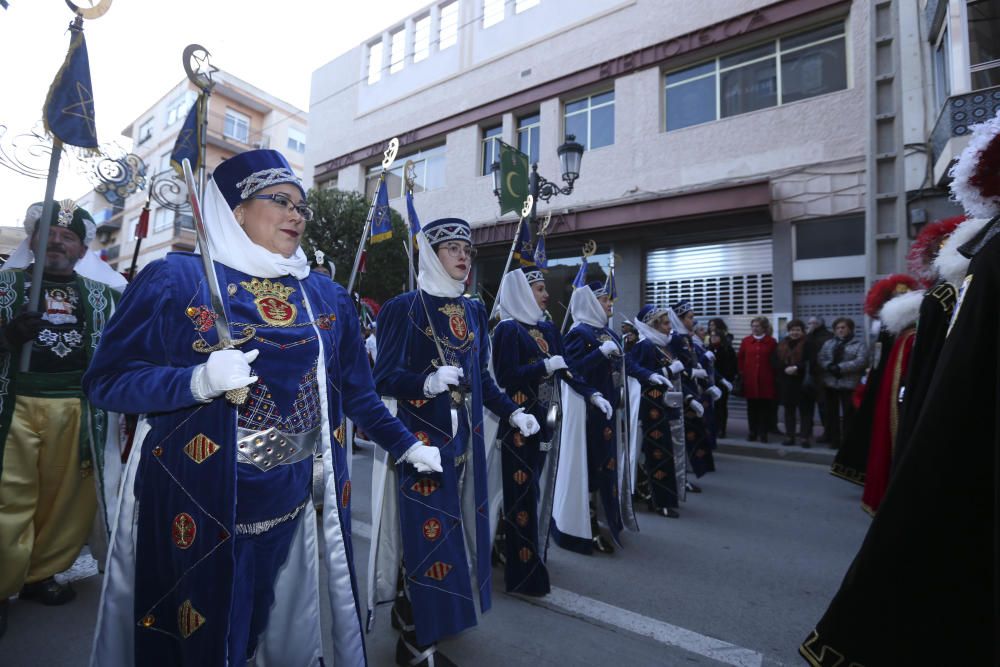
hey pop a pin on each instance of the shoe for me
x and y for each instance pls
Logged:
(668, 512)
(692, 488)
(48, 591)
(402, 615)
(408, 655)
(752, 437)
(788, 442)
(4, 607)
(603, 545)
(763, 438)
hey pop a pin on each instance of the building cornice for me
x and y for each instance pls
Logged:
(682, 47)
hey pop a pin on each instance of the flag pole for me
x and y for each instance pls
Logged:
(42, 238)
(525, 211)
(143, 226)
(390, 157)
(203, 100)
(409, 178)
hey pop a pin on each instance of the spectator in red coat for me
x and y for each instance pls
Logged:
(754, 360)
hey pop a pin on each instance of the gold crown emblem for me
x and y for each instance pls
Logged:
(264, 288)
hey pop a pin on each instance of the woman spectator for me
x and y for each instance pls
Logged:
(754, 362)
(791, 363)
(843, 358)
(720, 343)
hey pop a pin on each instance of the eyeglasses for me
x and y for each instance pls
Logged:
(459, 249)
(284, 201)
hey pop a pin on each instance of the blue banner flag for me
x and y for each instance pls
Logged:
(523, 249)
(382, 220)
(581, 275)
(189, 139)
(411, 215)
(541, 259)
(69, 107)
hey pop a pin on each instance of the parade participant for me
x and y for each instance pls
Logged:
(660, 412)
(527, 351)
(698, 390)
(941, 241)
(52, 441)
(720, 344)
(754, 361)
(813, 395)
(923, 587)
(433, 364)
(321, 265)
(899, 318)
(215, 558)
(587, 487)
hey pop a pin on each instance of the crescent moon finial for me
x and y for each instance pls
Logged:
(589, 248)
(198, 67)
(526, 209)
(390, 153)
(95, 11)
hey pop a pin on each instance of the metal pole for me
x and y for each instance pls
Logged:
(364, 235)
(42, 244)
(203, 147)
(533, 191)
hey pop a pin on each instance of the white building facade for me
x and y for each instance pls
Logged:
(728, 143)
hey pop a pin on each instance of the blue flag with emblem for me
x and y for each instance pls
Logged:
(382, 220)
(581, 275)
(69, 107)
(411, 215)
(189, 139)
(523, 249)
(541, 259)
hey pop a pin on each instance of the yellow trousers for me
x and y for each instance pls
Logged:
(47, 504)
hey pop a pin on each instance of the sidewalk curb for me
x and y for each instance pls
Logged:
(818, 454)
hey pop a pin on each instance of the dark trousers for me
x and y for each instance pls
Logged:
(759, 412)
(807, 412)
(722, 414)
(802, 413)
(839, 412)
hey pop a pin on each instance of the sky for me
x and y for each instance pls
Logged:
(135, 58)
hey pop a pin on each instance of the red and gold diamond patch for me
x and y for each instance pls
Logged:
(183, 530)
(656, 434)
(188, 619)
(345, 493)
(654, 413)
(524, 554)
(659, 474)
(518, 439)
(438, 571)
(418, 402)
(520, 477)
(338, 434)
(432, 529)
(612, 464)
(655, 393)
(521, 518)
(519, 397)
(658, 454)
(425, 486)
(608, 433)
(423, 437)
(200, 447)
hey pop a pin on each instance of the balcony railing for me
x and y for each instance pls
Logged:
(960, 112)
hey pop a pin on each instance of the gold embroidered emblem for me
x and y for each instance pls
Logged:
(418, 402)
(345, 494)
(147, 621)
(520, 398)
(423, 437)
(271, 299)
(188, 619)
(338, 434)
(425, 486)
(540, 341)
(655, 393)
(438, 571)
(200, 447)
(183, 530)
(520, 477)
(456, 319)
(432, 529)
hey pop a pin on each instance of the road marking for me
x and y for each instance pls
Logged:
(590, 609)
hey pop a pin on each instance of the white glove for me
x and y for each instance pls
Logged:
(602, 404)
(714, 392)
(727, 384)
(224, 370)
(673, 399)
(677, 366)
(439, 381)
(791, 370)
(553, 364)
(423, 458)
(696, 408)
(710, 355)
(656, 378)
(609, 347)
(699, 374)
(524, 422)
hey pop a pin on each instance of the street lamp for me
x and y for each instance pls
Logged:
(540, 188)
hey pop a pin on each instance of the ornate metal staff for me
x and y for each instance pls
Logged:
(390, 157)
(409, 178)
(589, 248)
(199, 71)
(525, 212)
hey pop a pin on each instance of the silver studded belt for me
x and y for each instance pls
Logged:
(271, 448)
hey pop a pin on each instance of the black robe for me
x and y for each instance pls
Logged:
(852, 457)
(923, 588)
(936, 309)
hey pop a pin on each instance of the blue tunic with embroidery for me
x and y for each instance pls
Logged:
(519, 354)
(589, 364)
(697, 433)
(430, 508)
(191, 492)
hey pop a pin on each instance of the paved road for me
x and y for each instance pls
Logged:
(740, 579)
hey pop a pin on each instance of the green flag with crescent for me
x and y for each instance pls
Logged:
(514, 178)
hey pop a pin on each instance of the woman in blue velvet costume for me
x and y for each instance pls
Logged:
(215, 558)
(527, 351)
(433, 365)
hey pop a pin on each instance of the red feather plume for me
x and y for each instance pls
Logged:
(885, 289)
(920, 258)
(986, 176)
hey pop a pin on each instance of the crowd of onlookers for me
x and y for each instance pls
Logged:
(811, 367)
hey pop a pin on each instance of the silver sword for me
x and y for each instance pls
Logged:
(234, 396)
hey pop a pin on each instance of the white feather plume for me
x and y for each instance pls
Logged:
(976, 205)
(950, 264)
(901, 311)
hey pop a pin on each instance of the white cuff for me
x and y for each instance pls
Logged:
(198, 385)
(406, 454)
